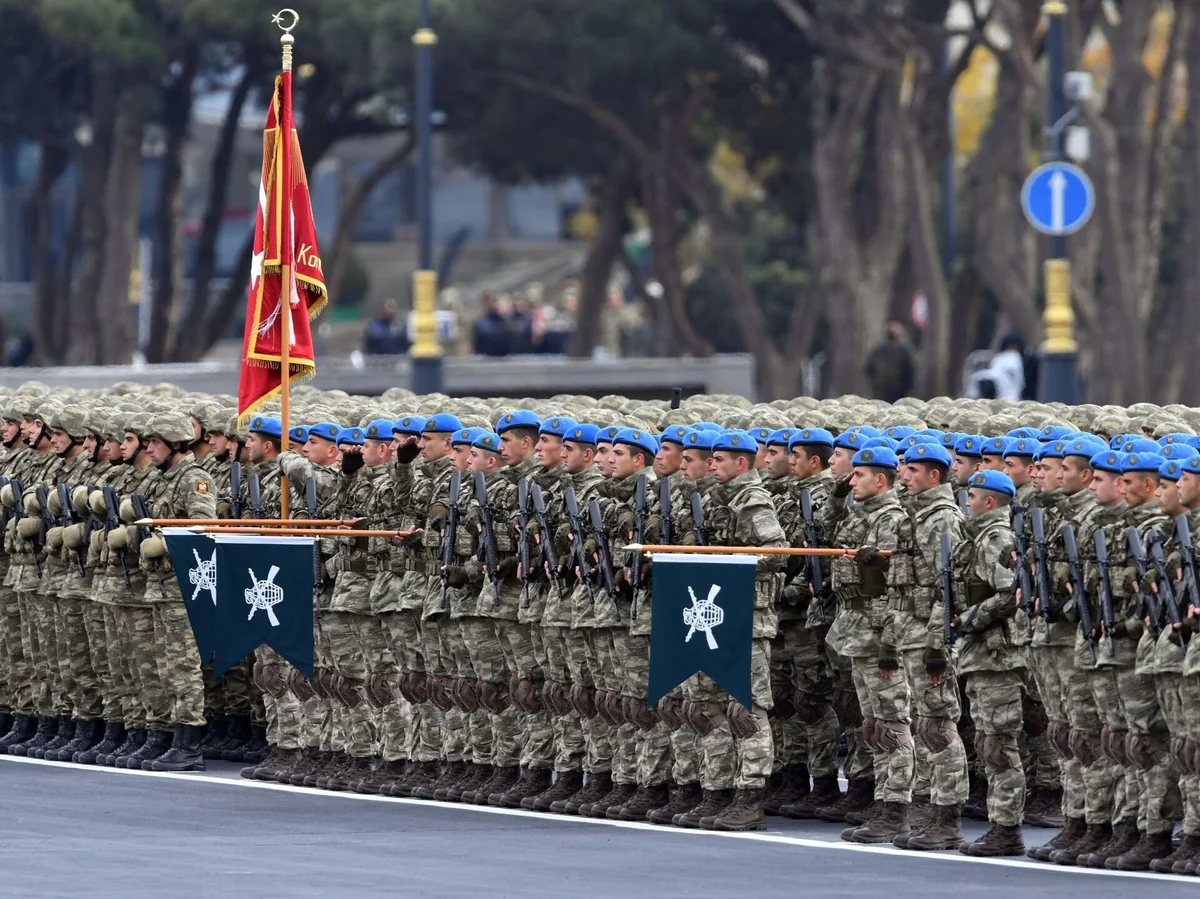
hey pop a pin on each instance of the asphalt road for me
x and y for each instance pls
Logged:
(75, 832)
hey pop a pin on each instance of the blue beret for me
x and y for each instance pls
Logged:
(353, 436)
(326, 430)
(486, 440)
(931, 432)
(950, 438)
(409, 424)
(1051, 433)
(782, 437)
(521, 418)
(1021, 446)
(466, 436)
(851, 440)
(1038, 453)
(1109, 460)
(442, 423)
(272, 427)
(1084, 446)
(811, 437)
(918, 439)
(1055, 449)
(557, 426)
(899, 432)
(995, 446)
(380, 429)
(876, 457)
(1191, 465)
(1171, 469)
(701, 440)
(1176, 451)
(760, 434)
(1025, 433)
(637, 438)
(735, 442)
(1140, 445)
(1119, 440)
(299, 434)
(928, 452)
(969, 445)
(708, 426)
(876, 442)
(675, 434)
(582, 433)
(1194, 442)
(866, 431)
(1168, 439)
(1142, 462)
(606, 435)
(996, 481)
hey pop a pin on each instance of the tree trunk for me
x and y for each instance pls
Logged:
(47, 317)
(601, 253)
(188, 339)
(964, 326)
(167, 266)
(117, 331)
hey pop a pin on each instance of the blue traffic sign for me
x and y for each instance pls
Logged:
(1058, 198)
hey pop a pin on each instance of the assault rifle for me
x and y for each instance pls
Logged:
(1168, 598)
(19, 508)
(1107, 617)
(549, 554)
(1078, 590)
(605, 557)
(451, 536)
(112, 520)
(1037, 521)
(1145, 607)
(141, 513)
(488, 555)
(816, 576)
(310, 500)
(1023, 578)
(664, 506)
(1183, 536)
(255, 490)
(948, 602)
(578, 535)
(639, 532)
(235, 489)
(70, 519)
(524, 557)
(698, 519)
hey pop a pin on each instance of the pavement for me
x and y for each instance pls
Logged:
(102, 832)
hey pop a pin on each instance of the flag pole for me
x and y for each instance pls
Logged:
(287, 252)
(741, 550)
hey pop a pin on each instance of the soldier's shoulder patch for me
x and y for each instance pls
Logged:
(202, 486)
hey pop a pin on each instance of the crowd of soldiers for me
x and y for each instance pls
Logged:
(1006, 636)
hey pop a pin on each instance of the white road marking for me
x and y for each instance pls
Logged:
(760, 837)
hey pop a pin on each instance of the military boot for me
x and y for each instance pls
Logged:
(643, 802)
(920, 816)
(859, 796)
(684, 798)
(268, 768)
(943, 831)
(745, 813)
(318, 761)
(1188, 847)
(23, 728)
(975, 807)
(348, 778)
(88, 733)
(456, 773)
(157, 743)
(479, 777)
(711, 804)
(1125, 836)
(530, 783)
(6, 722)
(825, 792)
(47, 726)
(1151, 847)
(214, 733)
(597, 786)
(380, 781)
(619, 795)
(114, 736)
(422, 774)
(184, 754)
(258, 747)
(792, 788)
(890, 822)
(504, 779)
(427, 788)
(566, 785)
(1000, 840)
(240, 735)
(133, 742)
(1046, 808)
(332, 766)
(1093, 837)
(864, 815)
(1071, 832)
(62, 735)
(74, 732)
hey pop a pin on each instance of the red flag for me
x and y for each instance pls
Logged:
(285, 238)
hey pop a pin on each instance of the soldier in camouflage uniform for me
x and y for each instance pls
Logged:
(18, 719)
(990, 656)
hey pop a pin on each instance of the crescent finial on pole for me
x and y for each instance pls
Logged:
(278, 19)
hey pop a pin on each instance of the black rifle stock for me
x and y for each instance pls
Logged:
(639, 533)
(578, 535)
(1107, 616)
(235, 489)
(524, 556)
(816, 576)
(549, 553)
(1037, 522)
(698, 527)
(488, 555)
(605, 557)
(1078, 590)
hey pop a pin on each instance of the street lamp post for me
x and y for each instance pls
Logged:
(426, 352)
(1059, 379)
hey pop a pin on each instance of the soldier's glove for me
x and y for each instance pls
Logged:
(871, 557)
(1186, 627)
(626, 521)
(153, 548)
(96, 502)
(621, 580)
(688, 539)
(118, 539)
(841, 487)
(456, 576)
(54, 539)
(741, 720)
(888, 658)
(126, 511)
(438, 515)
(506, 568)
(1120, 628)
(351, 462)
(79, 500)
(75, 535)
(407, 452)
(935, 662)
(647, 572)
(224, 509)
(29, 528)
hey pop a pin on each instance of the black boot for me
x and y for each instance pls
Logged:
(23, 729)
(6, 722)
(157, 743)
(133, 742)
(47, 725)
(114, 736)
(63, 735)
(258, 747)
(184, 754)
(240, 734)
(88, 733)
(214, 733)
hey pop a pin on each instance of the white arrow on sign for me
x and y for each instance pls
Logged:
(1058, 190)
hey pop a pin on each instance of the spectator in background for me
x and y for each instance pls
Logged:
(492, 333)
(891, 368)
(384, 336)
(20, 351)
(520, 327)
(1004, 378)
